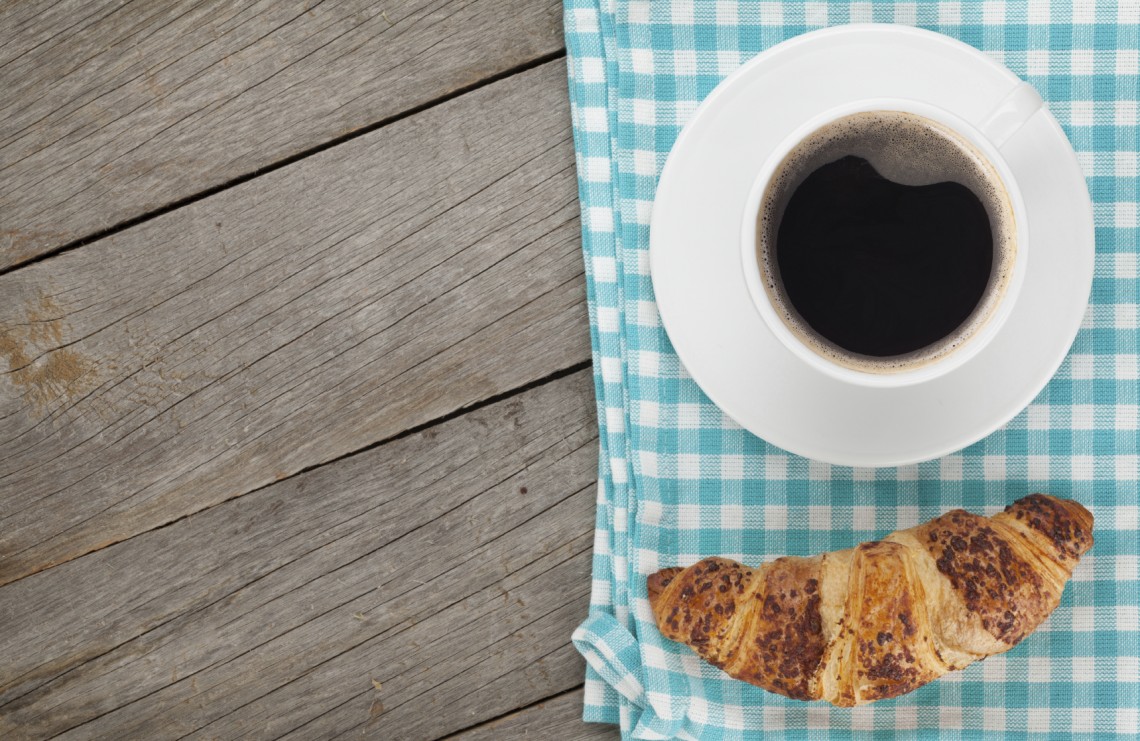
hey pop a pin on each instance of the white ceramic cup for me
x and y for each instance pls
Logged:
(987, 136)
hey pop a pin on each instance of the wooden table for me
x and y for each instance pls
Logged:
(297, 430)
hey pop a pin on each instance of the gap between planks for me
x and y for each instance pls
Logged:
(557, 716)
(119, 113)
(277, 165)
(559, 374)
(490, 723)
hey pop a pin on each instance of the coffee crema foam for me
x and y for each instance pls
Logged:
(907, 149)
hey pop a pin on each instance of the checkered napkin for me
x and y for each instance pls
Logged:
(678, 480)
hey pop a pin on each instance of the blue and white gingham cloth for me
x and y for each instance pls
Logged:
(679, 481)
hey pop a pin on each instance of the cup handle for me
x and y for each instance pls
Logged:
(1008, 116)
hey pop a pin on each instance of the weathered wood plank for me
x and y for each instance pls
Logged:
(559, 717)
(450, 566)
(113, 110)
(307, 313)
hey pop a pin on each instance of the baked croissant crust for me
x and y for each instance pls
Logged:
(886, 617)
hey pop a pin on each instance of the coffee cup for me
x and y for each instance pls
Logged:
(884, 242)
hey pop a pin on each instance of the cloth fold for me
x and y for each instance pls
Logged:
(679, 481)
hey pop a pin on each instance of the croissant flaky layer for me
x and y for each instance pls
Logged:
(886, 617)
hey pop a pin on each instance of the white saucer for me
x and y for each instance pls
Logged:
(716, 329)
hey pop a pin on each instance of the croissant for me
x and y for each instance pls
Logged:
(884, 618)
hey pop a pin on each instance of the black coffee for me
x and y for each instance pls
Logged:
(885, 240)
(880, 268)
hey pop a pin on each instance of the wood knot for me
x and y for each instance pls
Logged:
(43, 371)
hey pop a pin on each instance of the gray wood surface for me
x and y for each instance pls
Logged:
(297, 429)
(559, 717)
(113, 109)
(450, 566)
(280, 324)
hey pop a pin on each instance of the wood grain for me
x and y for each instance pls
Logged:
(113, 109)
(409, 591)
(558, 717)
(290, 320)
